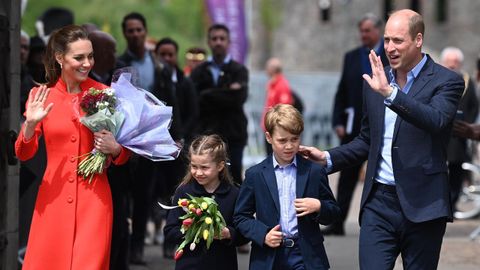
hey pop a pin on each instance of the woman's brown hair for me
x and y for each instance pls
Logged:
(58, 44)
(214, 146)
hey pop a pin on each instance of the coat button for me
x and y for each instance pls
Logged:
(73, 159)
(71, 179)
(73, 138)
(70, 199)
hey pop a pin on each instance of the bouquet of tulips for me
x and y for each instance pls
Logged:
(202, 220)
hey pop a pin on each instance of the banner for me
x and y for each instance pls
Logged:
(232, 14)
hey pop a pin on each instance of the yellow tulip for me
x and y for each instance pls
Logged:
(205, 234)
(190, 206)
(204, 205)
(208, 220)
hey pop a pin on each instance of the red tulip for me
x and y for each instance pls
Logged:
(198, 212)
(187, 222)
(182, 202)
(178, 254)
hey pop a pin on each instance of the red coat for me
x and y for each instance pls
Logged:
(72, 221)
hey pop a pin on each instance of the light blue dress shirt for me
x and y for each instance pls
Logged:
(216, 69)
(385, 169)
(287, 192)
(384, 173)
(146, 70)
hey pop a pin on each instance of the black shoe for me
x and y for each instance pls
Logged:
(334, 230)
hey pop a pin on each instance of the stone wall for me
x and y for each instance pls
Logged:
(306, 43)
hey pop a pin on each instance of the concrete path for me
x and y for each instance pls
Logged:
(458, 251)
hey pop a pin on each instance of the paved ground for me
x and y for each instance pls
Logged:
(458, 251)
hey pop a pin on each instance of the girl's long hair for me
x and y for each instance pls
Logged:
(211, 145)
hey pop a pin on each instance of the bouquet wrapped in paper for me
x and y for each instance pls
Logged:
(147, 120)
(100, 113)
(202, 220)
(137, 119)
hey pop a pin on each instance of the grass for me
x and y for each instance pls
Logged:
(183, 20)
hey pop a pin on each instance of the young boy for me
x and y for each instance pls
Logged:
(283, 199)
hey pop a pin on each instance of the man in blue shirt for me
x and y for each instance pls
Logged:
(407, 119)
(153, 76)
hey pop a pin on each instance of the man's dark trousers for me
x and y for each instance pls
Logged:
(419, 243)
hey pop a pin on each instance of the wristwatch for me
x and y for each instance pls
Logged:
(394, 87)
(393, 94)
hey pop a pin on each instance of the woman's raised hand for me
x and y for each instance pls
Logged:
(36, 109)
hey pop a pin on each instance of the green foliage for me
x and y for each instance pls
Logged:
(182, 20)
(270, 14)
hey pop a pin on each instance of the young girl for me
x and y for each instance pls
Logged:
(207, 176)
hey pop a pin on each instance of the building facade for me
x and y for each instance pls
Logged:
(313, 35)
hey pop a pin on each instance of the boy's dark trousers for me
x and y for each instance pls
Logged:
(288, 258)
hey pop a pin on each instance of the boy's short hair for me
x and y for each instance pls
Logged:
(284, 116)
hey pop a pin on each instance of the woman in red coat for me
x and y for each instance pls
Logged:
(72, 221)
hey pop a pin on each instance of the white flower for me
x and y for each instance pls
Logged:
(192, 246)
(109, 91)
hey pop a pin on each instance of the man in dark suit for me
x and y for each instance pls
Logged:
(155, 77)
(222, 85)
(347, 110)
(166, 50)
(457, 151)
(408, 113)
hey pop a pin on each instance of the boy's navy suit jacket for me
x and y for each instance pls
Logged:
(259, 195)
